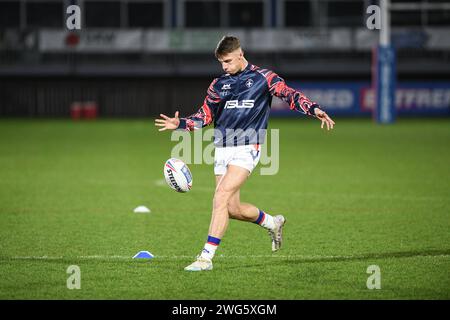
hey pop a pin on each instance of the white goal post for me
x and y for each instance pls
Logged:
(384, 61)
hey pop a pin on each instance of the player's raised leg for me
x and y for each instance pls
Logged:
(231, 182)
(248, 212)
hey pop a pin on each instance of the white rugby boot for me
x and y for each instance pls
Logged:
(201, 264)
(277, 233)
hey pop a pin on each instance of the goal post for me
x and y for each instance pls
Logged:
(384, 62)
(384, 77)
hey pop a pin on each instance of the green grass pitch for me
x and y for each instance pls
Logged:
(361, 195)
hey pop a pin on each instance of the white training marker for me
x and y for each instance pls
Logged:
(142, 209)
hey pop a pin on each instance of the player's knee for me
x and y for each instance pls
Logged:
(221, 199)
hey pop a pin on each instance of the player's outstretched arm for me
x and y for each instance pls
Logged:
(198, 120)
(168, 123)
(296, 100)
(323, 116)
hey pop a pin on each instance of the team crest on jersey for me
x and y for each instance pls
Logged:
(249, 83)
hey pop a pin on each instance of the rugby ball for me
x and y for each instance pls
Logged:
(177, 174)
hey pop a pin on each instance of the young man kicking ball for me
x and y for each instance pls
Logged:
(239, 105)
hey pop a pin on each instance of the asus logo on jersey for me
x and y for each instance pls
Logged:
(231, 104)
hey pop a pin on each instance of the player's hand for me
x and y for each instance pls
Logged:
(322, 116)
(168, 123)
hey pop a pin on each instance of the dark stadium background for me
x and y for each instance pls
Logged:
(42, 74)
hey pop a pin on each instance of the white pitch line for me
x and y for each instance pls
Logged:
(37, 258)
(274, 256)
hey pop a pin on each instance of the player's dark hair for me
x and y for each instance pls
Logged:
(227, 45)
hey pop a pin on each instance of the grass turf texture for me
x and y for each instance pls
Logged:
(358, 196)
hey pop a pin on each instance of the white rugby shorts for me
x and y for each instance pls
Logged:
(246, 157)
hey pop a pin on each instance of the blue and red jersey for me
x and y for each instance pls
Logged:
(239, 105)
